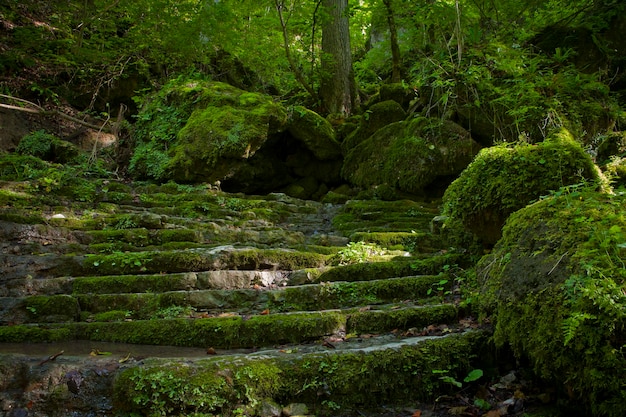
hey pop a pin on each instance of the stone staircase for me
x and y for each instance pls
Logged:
(180, 300)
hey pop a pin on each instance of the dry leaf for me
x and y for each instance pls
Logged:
(417, 413)
(457, 411)
(125, 359)
(265, 312)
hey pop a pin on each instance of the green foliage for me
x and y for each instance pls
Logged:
(356, 252)
(37, 144)
(555, 286)
(165, 391)
(472, 376)
(505, 178)
(345, 379)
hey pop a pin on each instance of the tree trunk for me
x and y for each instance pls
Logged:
(396, 60)
(337, 86)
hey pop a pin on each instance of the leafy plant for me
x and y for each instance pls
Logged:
(472, 376)
(356, 252)
(38, 144)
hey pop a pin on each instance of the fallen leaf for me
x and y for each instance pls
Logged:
(417, 413)
(94, 352)
(265, 312)
(493, 413)
(457, 411)
(125, 359)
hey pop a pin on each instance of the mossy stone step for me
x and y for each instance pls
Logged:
(293, 298)
(414, 242)
(384, 216)
(328, 382)
(235, 331)
(358, 378)
(399, 267)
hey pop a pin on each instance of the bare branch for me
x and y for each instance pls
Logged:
(36, 109)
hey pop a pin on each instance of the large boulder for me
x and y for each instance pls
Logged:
(315, 132)
(223, 134)
(410, 155)
(376, 117)
(554, 288)
(205, 131)
(504, 178)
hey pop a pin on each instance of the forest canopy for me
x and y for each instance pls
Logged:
(277, 45)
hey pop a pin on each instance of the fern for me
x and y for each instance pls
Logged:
(572, 323)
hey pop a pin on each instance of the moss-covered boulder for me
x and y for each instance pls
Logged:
(554, 285)
(410, 155)
(504, 178)
(315, 132)
(224, 134)
(198, 131)
(376, 117)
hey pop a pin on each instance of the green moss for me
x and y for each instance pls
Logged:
(410, 155)
(33, 334)
(113, 315)
(14, 198)
(214, 137)
(223, 332)
(22, 217)
(254, 259)
(360, 380)
(315, 133)
(383, 321)
(174, 389)
(51, 309)
(136, 237)
(134, 283)
(111, 240)
(504, 178)
(411, 241)
(328, 295)
(554, 286)
(374, 118)
(389, 269)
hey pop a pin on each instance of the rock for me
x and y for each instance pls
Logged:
(315, 132)
(375, 118)
(410, 155)
(269, 408)
(295, 409)
(505, 178)
(553, 288)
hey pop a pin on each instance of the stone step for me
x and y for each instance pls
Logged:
(420, 289)
(248, 297)
(230, 330)
(348, 378)
(51, 274)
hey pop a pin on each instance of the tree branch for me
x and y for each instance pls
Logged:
(36, 109)
(292, 64)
